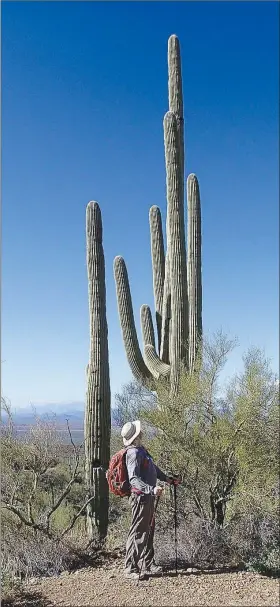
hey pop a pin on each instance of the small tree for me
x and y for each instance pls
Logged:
(217, 443)
(130, 402)
(253, 398)
(34, 484)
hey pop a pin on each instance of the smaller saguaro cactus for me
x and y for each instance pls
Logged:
(97, 428)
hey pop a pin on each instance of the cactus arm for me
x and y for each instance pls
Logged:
(176, 248)
(148, 334)
(152, 360)
(158, 265)
(156, 366)
(166, 315)
(98, 412)
(194, 268)
(133, 352)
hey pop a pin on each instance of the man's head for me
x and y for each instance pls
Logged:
(132, 433)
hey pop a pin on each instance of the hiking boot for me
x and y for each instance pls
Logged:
(153, 569)
(134, 575)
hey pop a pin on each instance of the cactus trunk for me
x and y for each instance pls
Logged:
(98, 413)
(176, 248)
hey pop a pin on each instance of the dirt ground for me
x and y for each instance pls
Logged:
(107, 586)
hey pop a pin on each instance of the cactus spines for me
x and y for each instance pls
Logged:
(194, 268)
(130, 339)
(97, 427)
(176, 348)
(158, 265)
(176, 247)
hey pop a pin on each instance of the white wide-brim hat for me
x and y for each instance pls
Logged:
(130, 431)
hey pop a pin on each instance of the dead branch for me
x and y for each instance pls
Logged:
(76, 517)
(23, 519)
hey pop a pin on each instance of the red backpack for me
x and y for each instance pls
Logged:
(117, 476)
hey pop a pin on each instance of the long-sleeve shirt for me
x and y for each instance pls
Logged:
(142, 472)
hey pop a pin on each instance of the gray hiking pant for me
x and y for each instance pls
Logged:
(136, 545)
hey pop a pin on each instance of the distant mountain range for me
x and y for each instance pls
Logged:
(74, 413)
(26, 416)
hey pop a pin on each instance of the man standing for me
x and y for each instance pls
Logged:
(143, 475)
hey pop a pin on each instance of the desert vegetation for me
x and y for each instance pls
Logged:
(225, 446)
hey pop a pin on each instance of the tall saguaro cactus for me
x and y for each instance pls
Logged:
(176, 274)
(98, 413)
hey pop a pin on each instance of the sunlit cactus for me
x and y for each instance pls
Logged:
(176, 274)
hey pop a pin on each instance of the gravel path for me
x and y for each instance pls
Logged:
(106, 586)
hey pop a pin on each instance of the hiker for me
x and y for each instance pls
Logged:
(143, 475)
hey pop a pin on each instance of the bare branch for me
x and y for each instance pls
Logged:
(67, 489)
(23, 519)
(76, 517)
(70, 436)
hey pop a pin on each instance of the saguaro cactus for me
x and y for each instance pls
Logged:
(98, 413)
(176, 276)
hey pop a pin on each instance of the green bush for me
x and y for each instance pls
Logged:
(226, 446)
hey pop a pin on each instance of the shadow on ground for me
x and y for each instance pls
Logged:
(27, 599)
(169, 571)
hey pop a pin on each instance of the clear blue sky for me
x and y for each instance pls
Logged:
(84, 92)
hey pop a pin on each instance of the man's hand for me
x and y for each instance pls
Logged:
(174, 480)
(158, 491)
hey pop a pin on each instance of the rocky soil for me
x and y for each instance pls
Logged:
(106, 585)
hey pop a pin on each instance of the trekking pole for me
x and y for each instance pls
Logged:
(149, 535)
(175, 528)
(175, 477)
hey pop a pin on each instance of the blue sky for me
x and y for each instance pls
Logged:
(84, 92)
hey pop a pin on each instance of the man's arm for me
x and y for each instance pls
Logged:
(133, 464)
(167, 479)
(161, 475)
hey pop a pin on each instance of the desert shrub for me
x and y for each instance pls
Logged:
(225, 443)
(43, 503)
(268, 563)
(42, 476)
